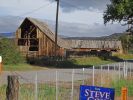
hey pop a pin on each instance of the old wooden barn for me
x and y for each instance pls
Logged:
(35, 39)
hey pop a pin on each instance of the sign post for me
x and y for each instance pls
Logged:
(96, 93)
(124, 93)
(0, 64)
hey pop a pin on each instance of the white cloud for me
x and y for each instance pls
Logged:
(82, 16)
(91, 13)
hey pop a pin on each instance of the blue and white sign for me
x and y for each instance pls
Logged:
(96, 93)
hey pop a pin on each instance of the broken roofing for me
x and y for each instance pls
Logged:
(68, 44)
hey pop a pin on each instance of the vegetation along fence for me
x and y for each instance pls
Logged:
(60, 84)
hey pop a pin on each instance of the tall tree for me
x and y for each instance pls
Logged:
(121, 11)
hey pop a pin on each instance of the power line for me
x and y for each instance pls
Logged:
(34, 10)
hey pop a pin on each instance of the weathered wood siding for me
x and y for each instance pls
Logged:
(46, 45)
(38, 40)
(95, 44)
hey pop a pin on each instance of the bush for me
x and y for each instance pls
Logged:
(9, 52)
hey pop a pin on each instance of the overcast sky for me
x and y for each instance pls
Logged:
(86, 12)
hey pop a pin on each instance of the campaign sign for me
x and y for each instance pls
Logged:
(96, 93)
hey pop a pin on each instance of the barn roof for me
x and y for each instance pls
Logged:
(68, 44)
(45, 29)
(96, 44)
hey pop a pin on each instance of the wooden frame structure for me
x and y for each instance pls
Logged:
(35, 39)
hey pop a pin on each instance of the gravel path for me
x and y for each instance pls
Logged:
(65, 75)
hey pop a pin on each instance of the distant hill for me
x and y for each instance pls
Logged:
(7, 34)
(114, 36)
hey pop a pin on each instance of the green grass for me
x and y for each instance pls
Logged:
(48, 91)
(91, 61)
(124, 56)
(45, 91)
(70, 63)
(123, 83)
(21, 67)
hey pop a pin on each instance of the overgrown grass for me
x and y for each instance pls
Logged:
(123, 83)
(124, 56)
(69, 63)
(47, 92)
(91, 61)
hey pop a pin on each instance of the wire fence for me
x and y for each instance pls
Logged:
(59, 84)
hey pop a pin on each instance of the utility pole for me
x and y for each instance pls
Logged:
(56, 28)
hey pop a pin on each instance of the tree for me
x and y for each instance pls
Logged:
(121, 11)
(126, 42)
(9, 52)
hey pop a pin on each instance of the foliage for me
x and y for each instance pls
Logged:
(127, 41)
(119, 10)
(9, 52)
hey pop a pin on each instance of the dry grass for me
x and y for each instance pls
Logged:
(22, 67)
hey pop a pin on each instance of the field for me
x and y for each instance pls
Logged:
(47, 91)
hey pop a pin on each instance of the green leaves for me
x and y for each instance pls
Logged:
(119, 10)
(9, 52)
(127, 41)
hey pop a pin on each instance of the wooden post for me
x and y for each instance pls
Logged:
(124, 92)
(0, 64)
(12, 90)
(56, 28)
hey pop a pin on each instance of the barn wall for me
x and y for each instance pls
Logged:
(46, 45)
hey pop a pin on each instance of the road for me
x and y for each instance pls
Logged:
(49, 75)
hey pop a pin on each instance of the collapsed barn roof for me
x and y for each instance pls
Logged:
(45, 29)
(69, 44)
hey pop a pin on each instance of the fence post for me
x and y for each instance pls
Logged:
(124, 93)
(101, 74)
(12, 90)
(114, 67)
(130, 69)
(36, 89)
(83, 76)
(108, 72)
(93, 76)
(0, 64)
(119, 71)
(72, 84)
(124, 69)
(56, 85)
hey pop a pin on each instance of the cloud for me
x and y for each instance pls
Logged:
(10, 24)
(85, 30)
(70, 5)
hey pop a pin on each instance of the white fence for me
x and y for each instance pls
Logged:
(59, 84)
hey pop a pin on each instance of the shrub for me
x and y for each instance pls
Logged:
(9, 52)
